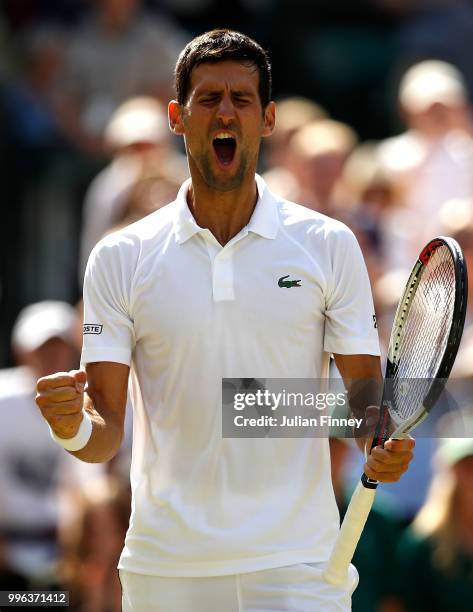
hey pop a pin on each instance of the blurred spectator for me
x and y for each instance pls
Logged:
(92, 538)
(440, 29)
(375, 211)
(292, 114)
(435, 557)
(117, 53)
(139, 137)
(387, 290)
(433, 160)
(375, 589)
(43, 175)
(456, 220)
(32, 139)
(151, 190)
(317, 155)
(32, 100)
(30, 462)
(433, 98)
(366, 197)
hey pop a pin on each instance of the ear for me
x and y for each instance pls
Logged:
(269, 120)
(175, 117)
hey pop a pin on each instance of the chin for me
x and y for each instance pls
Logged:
(226, 180)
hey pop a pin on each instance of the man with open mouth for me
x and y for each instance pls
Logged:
(227, 281)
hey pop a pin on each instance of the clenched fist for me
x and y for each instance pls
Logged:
(388, 463)
(60, 398)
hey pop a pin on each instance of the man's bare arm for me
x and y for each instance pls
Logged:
(363, 379)
(358, 367)
(384, 464)
(61, 398)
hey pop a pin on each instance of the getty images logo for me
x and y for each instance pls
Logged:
(92, 328)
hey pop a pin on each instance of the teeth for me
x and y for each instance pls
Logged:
(222, 136)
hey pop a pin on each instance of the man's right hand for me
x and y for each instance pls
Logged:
(60, 397)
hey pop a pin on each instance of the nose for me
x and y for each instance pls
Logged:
(226, 110)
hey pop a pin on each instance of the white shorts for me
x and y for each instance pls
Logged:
(296, 588)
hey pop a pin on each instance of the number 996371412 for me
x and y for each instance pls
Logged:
(34, 598)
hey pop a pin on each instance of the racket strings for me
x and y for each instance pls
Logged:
(424, 334)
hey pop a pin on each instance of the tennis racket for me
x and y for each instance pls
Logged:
(423, 345)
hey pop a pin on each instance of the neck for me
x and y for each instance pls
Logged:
(224, 213)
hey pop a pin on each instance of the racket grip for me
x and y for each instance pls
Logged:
(350, 532)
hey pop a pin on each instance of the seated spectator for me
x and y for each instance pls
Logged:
(31, 100)
(138, 136)
(373, 208)
(317, 154)
(118, 52)
(435, 557)
(293, 113)
(431, 162)
(91, 542)
(456, 220)
(31, 463)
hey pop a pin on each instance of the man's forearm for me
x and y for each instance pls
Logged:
(106, 436)
(363, 379)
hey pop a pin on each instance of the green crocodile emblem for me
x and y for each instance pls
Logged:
(282, 282)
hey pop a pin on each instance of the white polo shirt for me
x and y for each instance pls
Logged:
(165, 297)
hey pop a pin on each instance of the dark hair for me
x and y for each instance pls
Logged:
(217, 46)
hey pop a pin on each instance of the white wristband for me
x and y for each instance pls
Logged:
(80, 439)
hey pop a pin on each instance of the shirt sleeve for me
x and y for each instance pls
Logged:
(108, 326)
(350, 327)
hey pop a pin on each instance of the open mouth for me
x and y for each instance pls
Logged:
(224, 146)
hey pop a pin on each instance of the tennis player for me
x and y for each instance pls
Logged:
(229, 280)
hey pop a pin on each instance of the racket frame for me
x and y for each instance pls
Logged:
(363, 497)
(452, 345)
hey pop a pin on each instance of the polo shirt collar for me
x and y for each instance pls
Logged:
(185, 226)
(264, 220)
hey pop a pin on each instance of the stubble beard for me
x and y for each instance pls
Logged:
(222, 183)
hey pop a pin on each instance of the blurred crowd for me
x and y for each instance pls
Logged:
(374, 127)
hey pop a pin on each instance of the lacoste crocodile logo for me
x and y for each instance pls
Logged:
(282, 282)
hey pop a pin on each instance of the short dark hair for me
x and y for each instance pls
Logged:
(218, 46)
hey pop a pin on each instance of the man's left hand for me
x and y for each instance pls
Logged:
(389, 463)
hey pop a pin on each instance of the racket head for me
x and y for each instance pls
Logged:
(425, 337)
(427, 330)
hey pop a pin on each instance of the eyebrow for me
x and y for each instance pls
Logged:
(214, 89)
(243, 92)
